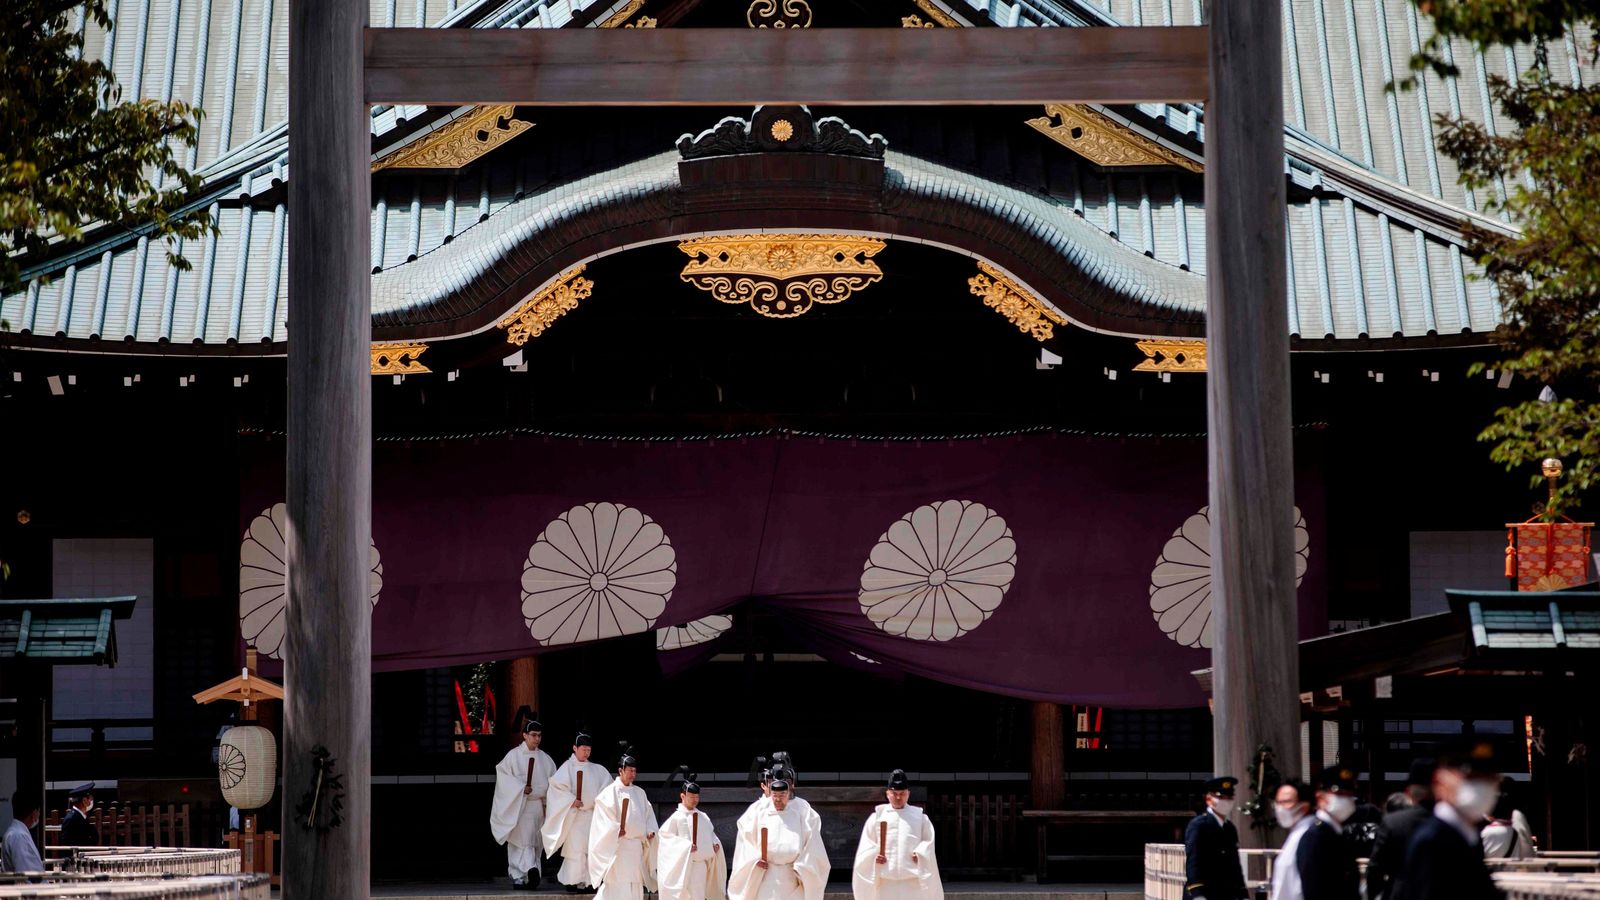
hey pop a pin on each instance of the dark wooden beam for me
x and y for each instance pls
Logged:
(717, 66)
(1254, 619)
(328, 647)
(1047, 770)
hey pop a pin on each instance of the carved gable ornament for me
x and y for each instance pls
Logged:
(780, 129)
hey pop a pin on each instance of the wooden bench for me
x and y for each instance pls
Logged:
(1048, 820)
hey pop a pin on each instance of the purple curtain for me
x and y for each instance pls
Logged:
(1017, 565)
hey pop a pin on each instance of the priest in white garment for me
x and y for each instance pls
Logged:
(569, 810)
(621, 836)
(895, 859)
(780, 855)
(689, 860)
(520, 783)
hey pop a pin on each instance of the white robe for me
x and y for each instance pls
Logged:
(516, 817)
(690, 866)
(566, 829)
(621, 861)
(797, 861)
(909, 833)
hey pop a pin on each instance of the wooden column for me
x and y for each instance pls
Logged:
(1048, 769)
(522, 689)
(328, 649)
(1255, 655)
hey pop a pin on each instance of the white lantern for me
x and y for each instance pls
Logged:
(247, 766)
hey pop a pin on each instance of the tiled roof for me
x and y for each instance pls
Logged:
(62, 631)
(1510, 621)
(1373, 225)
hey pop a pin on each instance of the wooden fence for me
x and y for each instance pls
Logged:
(979, 833)
(130, 826)
(258, 850)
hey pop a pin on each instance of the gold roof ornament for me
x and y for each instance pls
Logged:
(1018, 304)
(459, 142)
(546, 305)
(641, 22)
(623, 14)
(914, 21)
(1166, 355)
(944, 19)
(781, 275)
(768, 14)
(398, 358)
(1102, 140)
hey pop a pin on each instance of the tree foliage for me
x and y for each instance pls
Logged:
(73, 154)
(1548, 273)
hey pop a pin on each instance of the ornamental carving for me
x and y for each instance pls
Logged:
(1102, 140)
(938, 15)
(773, 129)
(1016, 303)
(641, 22)
(623, 14)
(776, 14)
(914, 21)
(1172, 356)
(398, 358)
(540, 311)
(459, 142)
(781, 275)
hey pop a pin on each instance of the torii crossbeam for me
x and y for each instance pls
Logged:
(337, 67)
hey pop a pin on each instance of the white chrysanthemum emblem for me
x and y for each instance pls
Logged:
(939, 571)
(599, 570)
(264, 580)
(690, 633)
(1180, 584)
(866, 659)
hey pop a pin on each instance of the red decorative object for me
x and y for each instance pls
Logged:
(1548, 556)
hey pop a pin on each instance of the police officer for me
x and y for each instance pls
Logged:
(1444, 860)
(1211, 847)
(1325, 857)
(76, 829)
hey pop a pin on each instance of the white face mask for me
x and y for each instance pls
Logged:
(89, 807)
(1288, 816)
(1475, 799)
(1222, 806)
(1341, 807)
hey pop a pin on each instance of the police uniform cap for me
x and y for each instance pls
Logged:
(1222, 785)
(81, 791)
(1337, 780)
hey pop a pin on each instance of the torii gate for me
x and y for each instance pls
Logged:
(338, 67)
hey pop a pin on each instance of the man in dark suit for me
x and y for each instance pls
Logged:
(1444, 860)
(75, 828)
(1211, 847)
(1397, 828)
(1325, 857)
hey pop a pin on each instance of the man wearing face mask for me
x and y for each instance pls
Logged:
(76, 829)
(1324, 857)
(1292, 807)
(1394, 833)
(1444, 860)
(1211, 847)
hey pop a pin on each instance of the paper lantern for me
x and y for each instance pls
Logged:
(247, 766)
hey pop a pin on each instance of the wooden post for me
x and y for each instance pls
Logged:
(1048, 772)
(1255, 656)
(521, 689)
(328, 658)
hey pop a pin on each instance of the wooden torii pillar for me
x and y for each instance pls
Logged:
(337, 67)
